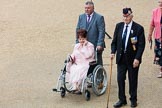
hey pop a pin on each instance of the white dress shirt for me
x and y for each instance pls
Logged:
(90, 17)
(128, 32)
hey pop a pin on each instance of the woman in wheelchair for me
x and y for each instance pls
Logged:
(78, 65)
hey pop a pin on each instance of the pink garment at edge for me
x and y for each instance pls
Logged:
(81, 55)
(155, 21)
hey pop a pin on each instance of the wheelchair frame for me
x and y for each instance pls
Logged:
(96, 76)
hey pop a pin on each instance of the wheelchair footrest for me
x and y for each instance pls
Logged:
(55, 90)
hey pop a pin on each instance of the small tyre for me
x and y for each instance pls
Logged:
(87, 95)
(63, 92)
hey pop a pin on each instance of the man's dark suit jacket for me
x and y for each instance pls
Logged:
(116, 45)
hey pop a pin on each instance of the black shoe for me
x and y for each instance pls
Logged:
(89, 85)
(133, 104)
(78, 92)
(120, 104)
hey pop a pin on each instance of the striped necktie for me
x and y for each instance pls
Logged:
(124, 37)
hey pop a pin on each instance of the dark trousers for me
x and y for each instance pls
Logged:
(158, 51)
(122, 69)
(99, 58)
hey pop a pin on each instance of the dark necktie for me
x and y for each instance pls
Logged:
(89, 17)
(124, 37)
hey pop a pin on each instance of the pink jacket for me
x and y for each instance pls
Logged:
(155, 22)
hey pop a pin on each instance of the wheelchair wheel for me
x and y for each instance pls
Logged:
(87, 95)
(63, 92)
(99, 84)
(67, 85)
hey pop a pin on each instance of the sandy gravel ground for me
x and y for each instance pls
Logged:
(36, 36)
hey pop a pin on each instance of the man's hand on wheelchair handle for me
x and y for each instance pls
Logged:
(99, 48)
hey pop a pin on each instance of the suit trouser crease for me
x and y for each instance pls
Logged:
(122, 69)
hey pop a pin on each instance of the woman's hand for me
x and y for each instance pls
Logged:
(149, 38)
(85, 43)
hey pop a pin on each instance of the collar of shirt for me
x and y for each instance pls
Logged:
(129, 25)
(90, 17)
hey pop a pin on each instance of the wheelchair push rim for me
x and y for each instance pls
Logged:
(99, 85)
(67, 85)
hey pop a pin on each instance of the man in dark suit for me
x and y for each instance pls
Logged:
(128, 43)
(95, 25)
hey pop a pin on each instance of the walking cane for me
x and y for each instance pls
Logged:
(109, 86)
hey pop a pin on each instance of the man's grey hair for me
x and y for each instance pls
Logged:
(89, 3)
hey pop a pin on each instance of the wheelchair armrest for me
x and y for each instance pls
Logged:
(93, 63)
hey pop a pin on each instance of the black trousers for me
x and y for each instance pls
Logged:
(99, 58)
(122, 68)
(158, 50)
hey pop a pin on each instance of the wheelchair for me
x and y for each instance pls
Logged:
(96, 79)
